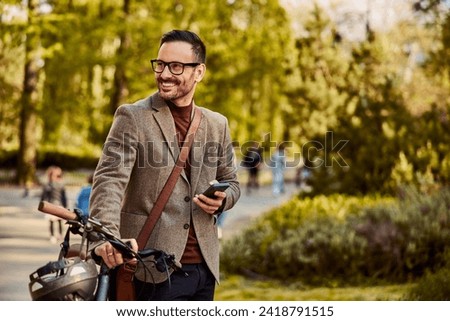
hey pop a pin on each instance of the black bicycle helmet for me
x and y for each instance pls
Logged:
(70, 279)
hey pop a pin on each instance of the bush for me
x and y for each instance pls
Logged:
(68, 161)
(432, 287)
(345, 240)
(435, 285)
(8, 158)
(304, 239)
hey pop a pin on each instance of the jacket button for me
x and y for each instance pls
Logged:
(187, 198)
(186, 226)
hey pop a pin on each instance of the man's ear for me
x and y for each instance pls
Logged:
(200, 72)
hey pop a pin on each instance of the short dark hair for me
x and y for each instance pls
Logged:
(190, 37)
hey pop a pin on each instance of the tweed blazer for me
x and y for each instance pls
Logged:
(138, 156)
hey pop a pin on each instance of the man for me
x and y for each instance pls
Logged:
(54, 192)
(139, 155)
(278, 161)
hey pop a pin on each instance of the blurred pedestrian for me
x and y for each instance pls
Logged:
(54, 192)
(278, 163)
(302, 176)
(220, 222)
(253, 162)
(82, 201)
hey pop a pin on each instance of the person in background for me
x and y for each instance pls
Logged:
(82, 201)
(220, 223)
(278, 167)
(54, 192)
(253, 162)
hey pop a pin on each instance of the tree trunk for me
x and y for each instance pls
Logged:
(120, 78)
(26, 165)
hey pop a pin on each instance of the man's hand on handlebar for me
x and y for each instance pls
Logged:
(113, 257)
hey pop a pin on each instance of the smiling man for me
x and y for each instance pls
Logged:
(139, 154)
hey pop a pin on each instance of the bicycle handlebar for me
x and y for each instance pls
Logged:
(126, 251)
(57, 210)
(94, 226)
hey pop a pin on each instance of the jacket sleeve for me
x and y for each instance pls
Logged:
(114, 170)
(64, 197)
(227, 171)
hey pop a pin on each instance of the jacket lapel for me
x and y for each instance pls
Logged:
(164, 119)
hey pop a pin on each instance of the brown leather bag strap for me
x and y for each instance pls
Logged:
(163, 197)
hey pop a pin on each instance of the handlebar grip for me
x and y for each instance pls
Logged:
(57, 210)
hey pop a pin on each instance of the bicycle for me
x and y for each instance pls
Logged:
(79, 275)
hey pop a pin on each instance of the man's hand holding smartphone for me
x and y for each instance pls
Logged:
(211, 199)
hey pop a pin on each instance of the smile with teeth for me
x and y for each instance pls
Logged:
(168, 84)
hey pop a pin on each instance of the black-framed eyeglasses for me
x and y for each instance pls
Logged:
(175, 67)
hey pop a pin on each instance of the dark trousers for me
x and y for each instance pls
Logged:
(52, 227)
(195, 283)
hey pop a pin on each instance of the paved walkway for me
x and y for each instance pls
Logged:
(25, 246)
(252, 205)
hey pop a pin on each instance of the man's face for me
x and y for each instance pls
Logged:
(178, 88)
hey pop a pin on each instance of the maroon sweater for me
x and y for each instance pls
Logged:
(182, 118)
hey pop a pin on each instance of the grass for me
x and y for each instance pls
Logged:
(237, 288)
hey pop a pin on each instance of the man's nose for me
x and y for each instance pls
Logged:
(166, 72)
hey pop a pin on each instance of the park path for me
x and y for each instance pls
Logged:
(251, 205)
(25, 246)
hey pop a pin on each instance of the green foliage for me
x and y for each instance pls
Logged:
(300, 238)
(70, 160)
(8, 158)
(387, 96)
(357, 92)
(11, 77)
(433, 286)
(67, 161)
(313, 87)
(345, 240)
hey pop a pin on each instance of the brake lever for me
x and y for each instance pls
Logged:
(176, 266)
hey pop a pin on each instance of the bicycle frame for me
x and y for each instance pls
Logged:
(102, 291)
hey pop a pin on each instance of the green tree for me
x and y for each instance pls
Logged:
(11, 80)
(431, 155)
(387, 95)
(377, 125)
(316, 93)
(347, 112)
(120, 91)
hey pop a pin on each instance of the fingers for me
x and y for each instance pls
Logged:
(132, 243)
(134, 246)
(210, 205)
(110, 256)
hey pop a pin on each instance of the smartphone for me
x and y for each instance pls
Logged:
(215, 186)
